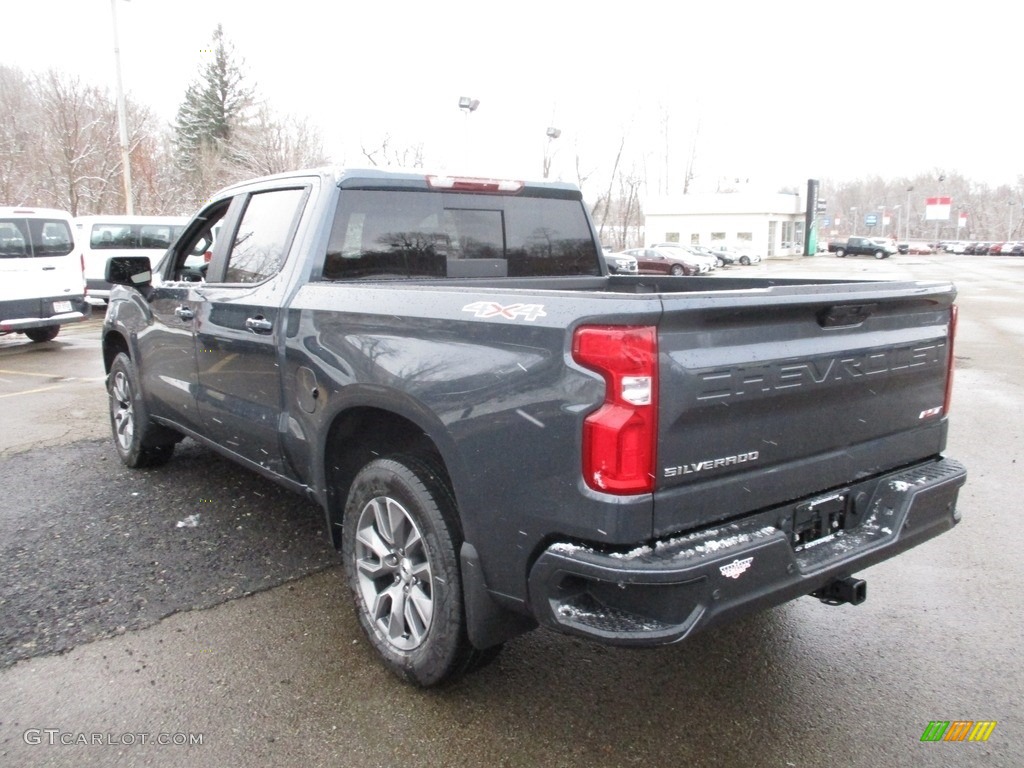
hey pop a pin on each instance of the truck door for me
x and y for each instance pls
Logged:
(239, 326)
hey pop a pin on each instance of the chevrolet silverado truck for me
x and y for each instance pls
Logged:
(502, 435)
(878, 247)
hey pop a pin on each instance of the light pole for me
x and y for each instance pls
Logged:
(122, 119)
(906, 235)
(1009, 227)
(853, 218)
(899, 220)
(552, 134)
(468, 105)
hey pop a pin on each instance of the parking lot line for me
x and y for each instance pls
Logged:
(29, 391)
(30, 373)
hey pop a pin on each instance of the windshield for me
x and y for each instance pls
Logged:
(27, 238)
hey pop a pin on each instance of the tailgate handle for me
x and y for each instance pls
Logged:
(845, 315)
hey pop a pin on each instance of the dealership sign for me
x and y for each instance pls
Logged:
(937, 208)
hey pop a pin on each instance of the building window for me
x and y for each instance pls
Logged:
(671, 237)
(695, 239)
(717, 236)
(745, 237)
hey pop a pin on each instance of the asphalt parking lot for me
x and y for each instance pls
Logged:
(199, 603)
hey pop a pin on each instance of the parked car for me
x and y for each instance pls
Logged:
(738, 254)
(666, 261)
(996, 249)
(104, 237)
(620, 263)
(864, 246)
(42, 286)
(695, 252)
(916, 248)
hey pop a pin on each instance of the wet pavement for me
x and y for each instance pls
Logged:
(118, 627)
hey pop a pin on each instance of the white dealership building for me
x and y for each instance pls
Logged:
(770, 223)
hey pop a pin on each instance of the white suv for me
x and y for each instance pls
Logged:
(42, 282)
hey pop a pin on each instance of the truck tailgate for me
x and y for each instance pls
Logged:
(769, 395)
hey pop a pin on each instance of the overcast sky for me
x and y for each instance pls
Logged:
(781, 92)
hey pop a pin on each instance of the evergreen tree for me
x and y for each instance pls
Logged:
(216, 107)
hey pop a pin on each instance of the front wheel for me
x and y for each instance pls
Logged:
(677, 269)
(400, 544)
(139, 442)
(745, 261)
(47, 333)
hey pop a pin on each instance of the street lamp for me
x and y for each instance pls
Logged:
(468, 105)
(552, 134)
(906, 235)
(1009, 229)
(122, 118)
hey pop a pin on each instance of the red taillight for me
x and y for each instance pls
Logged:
(954, 313)
(620, 437)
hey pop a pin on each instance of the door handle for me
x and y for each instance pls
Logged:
(259, 324)
(184, 313)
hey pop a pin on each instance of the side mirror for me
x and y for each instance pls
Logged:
(133, 271)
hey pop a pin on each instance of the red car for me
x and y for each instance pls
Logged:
(665, 261)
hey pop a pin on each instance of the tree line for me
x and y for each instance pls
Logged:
(59, 148)
(59, 141)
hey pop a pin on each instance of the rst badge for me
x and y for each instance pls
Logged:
(486, 309)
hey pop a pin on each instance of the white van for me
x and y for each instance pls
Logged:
(103, 237)
(41, 273)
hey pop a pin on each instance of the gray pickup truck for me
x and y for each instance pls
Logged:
(503, 435)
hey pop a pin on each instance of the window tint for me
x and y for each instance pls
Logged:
(263, 236)
(389, 234)
(34, 237)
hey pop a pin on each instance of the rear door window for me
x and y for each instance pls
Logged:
(35, 238)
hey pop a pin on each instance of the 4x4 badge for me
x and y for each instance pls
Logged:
(736, 568)
(485, 309)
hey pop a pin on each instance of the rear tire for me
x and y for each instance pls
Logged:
(880, 254)
(139, 442)
(840, 253)
(400, 544)
(48, 333)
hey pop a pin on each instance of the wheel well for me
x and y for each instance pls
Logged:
(113, 345)
(359, 436)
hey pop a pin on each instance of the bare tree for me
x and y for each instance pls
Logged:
(387, 155)
(19, 155)
(79, 138)
(273, 144)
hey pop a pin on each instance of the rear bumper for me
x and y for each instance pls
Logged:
(667, 591)
(25, 314)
